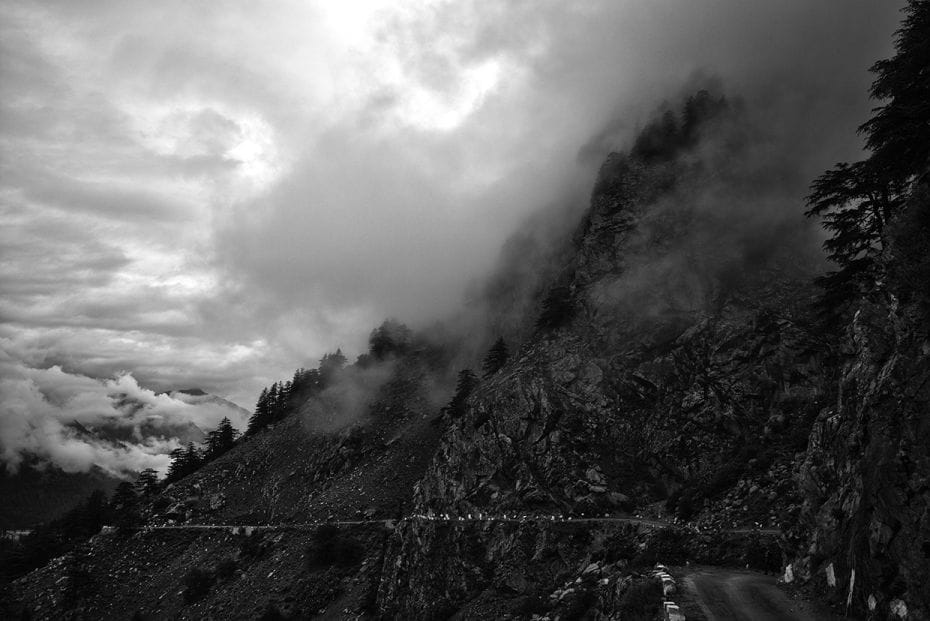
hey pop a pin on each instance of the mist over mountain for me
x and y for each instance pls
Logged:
(546, 311)
(75, 423)
(337, 167)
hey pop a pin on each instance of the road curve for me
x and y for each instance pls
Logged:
(733, 595)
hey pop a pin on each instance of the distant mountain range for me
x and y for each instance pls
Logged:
(40, 491)
(196, 396)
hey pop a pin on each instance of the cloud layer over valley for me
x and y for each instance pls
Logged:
(78, 423)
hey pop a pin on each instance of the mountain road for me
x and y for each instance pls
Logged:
(735, 595)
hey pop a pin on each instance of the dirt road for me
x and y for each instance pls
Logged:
(733, 595)
(651, 523)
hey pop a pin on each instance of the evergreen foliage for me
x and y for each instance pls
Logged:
(197, 583)
(124, 506)
(124, 496)
(558, 309)
(667, 136)
(330, 367)
(496, 358)
(277, 400)
(261, 416)
(226, 569)
(859, 202)
(271, 613)
(467, 381)
(329, 546)
(391, 338)
(899, 131)
(147, 484)
(55, 538)
(184, 461)
(220, 440)
(187, 460)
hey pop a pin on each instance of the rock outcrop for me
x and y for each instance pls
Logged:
(867, 469)
(671, 380)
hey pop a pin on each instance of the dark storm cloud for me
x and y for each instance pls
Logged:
(215, 194)
(377, 216)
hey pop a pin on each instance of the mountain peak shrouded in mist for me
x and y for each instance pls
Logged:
(639, 398)
(194, 392)
(247, 201)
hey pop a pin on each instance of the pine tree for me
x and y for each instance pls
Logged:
(899, 131)
(260, 417)
(192, 458)
(228, 434)
(124, 496)
(699, 109)
(467, 381)
(858, 201)
(124, 505)
(184, 461)
(147, 483)
(659, 140)
(390, 338)
(221, 440)
(284, 398)
(496, 358)
(330, 366)
(176, 468)
(298, 382)
(308, 382)
(274, 401)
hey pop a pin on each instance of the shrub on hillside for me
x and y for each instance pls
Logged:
(763, 553)
(558, 308)
(78, 582)
(530, 605)
(225, 568)
(580, 605)
(252, 546)
(272, 613)
(197, 583)
(641, 600)
(331, 547)
(620, 546)
(669, 545)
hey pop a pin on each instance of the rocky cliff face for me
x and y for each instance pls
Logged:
(682, 368)
(680, 371)
(692, 373)
(867, 469)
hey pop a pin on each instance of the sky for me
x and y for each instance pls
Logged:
(212, 194)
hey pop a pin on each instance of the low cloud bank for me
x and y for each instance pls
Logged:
(77, 423)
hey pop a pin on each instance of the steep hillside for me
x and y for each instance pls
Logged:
(866, 474)
(39, 493)
(688, 381)
(290, 474)
(673, 366)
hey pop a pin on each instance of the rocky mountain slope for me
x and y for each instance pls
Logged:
(866, 473)
(674, 366)
(689, 383)
(287, 475)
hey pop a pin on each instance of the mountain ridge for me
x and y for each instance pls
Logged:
(672, 364)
